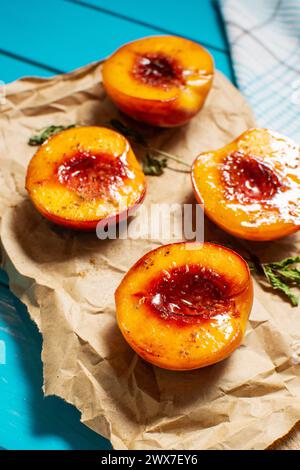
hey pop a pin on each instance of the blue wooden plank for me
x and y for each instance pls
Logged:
(70, 35)
(27, 419)
(12, 68)
(195, 19)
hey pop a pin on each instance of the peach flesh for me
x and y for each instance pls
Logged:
(251, 187)
(247, 179)
(157, 70)
(162, 81)
(185, 305)
(91, 174)
(188, 294)
(83, 176)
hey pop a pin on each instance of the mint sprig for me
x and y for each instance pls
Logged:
(154, 166)
(155, 159)
(281, 275)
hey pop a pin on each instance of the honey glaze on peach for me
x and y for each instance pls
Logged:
(249, 180)
(189, 294)
(157, 70)
(92, 175)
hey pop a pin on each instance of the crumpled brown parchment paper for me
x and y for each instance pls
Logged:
(68, 279)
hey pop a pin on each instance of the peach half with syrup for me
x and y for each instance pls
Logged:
(159, 80)
(185, 305)
(251, 187)
(85, 175)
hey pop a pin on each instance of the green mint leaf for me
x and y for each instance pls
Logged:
(39, 139)
(280, 285)
(154, 166)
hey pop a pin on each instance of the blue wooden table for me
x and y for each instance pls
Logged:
(46, 38)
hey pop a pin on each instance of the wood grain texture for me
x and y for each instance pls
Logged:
(196, 19)
(83, 35)
(28, 419)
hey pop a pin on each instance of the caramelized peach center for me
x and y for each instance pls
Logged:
(188, 294)
(247, 179)
(157, 70)
(92, 175)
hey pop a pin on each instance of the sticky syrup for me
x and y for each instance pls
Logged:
(249, 180)
(157, 70)
(188, 294)
(91, 175)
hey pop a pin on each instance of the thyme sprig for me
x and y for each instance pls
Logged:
(155, 160)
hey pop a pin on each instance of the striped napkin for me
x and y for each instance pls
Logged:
(264, 36)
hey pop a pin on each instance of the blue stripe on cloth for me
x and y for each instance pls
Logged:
(271, 75)
(264, 38)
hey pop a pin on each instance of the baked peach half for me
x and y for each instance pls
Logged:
(85, 175)
(160, 80)
(251, 187)
(185, 305)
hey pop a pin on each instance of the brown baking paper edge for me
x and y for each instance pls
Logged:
(68, 279)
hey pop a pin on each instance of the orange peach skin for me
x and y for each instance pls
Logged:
(160, 103)
(172, 344)
(273, 217)
(83, 210)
